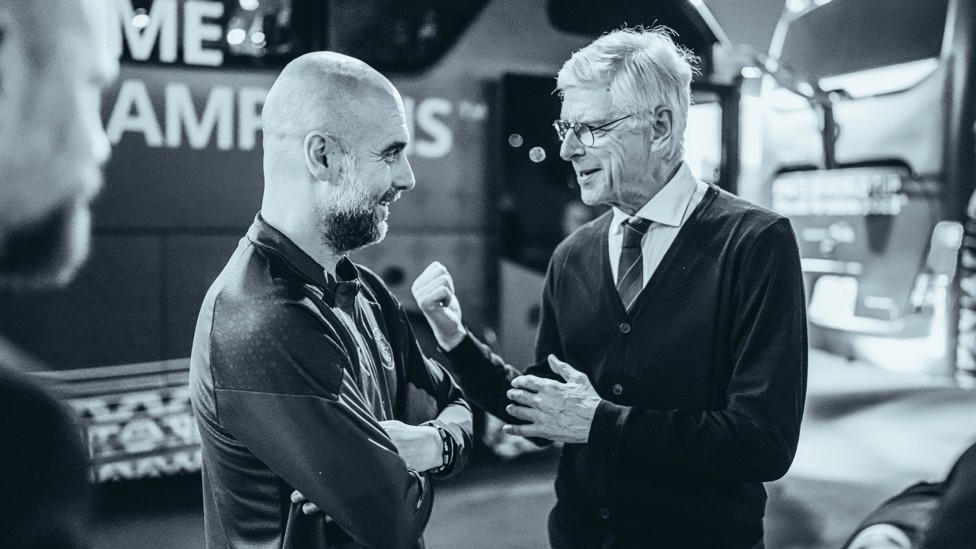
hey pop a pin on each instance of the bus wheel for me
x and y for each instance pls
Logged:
(966, 344)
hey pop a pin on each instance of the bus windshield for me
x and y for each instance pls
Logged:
(847, 36)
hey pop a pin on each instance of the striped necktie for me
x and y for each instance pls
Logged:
(630, 269)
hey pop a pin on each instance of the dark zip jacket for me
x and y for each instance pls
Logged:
(290, 374)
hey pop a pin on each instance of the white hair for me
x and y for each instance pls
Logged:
(643, 69)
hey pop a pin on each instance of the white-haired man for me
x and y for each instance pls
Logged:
(672, 346)
(305, 374)
(52, 145)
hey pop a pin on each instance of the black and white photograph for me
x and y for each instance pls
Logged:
(487, 274)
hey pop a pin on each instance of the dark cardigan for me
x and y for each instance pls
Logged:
(703, 380)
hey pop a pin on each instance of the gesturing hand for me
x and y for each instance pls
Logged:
(562, 412)
(434, 293)
(420, 447)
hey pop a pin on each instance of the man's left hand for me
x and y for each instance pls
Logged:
(562, 412)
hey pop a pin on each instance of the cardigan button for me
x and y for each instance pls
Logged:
(604, 513)
(617, 389)
(624, 328)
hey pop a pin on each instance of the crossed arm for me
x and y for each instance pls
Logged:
(312, 426)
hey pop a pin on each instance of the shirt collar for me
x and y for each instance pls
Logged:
(346, 281)
(669, 206)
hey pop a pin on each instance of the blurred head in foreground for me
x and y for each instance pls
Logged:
(53, 64)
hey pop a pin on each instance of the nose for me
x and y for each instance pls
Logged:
(571, 147)
(404, 180)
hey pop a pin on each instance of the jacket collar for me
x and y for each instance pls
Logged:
(341, 288)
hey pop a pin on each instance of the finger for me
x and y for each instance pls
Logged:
(449, 279)
(524, 413)
(564, 370)
(530, 383)
(310, 508)
(442, 280)
(437, 298)
(422, 287)
(524, 398)
(529, 430)
(426, 294)
(432, 271)
(297, 496)
(439, 273)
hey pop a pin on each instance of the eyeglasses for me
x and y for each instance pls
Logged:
(584, 132)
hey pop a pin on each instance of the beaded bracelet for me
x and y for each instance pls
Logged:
(447, 448)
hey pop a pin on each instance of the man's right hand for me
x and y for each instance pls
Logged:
(434, 292)
(419, 446)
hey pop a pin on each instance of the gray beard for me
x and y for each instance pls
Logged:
(350, 222)
(346, 231)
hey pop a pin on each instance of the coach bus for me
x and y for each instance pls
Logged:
(869, 149)
(185, 181)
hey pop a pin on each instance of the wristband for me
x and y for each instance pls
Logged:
(448, 447)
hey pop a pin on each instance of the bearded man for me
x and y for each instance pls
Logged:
(305, 374)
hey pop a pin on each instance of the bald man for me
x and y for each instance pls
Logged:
(305, 374)
(52, 146)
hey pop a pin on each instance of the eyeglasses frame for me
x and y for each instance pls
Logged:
(562, 129)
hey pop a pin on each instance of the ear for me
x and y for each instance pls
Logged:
(662, 128)
(322, 153)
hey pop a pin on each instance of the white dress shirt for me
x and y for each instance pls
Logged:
(667, 211)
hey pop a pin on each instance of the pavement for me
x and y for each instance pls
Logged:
(867, 433)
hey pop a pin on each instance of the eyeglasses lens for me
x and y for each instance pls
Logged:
(582, 131)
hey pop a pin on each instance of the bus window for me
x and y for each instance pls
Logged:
(539, 201)
(398, 34)
(703, 137)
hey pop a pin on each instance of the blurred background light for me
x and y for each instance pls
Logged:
(796, 6)
(750, 72)
(140, 19)
(537, 154)
(236, 36)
